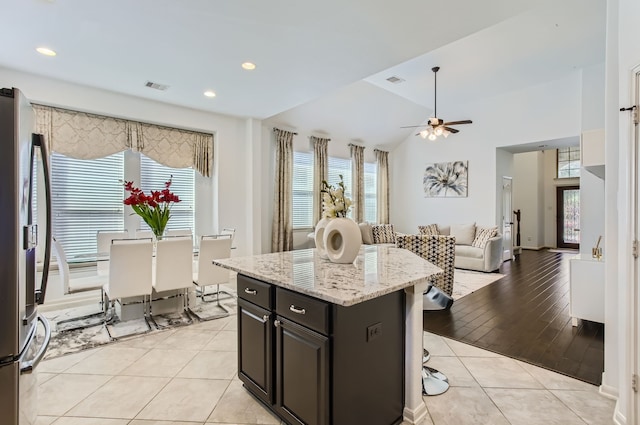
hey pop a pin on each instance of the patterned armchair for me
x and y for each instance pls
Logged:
(437, 249)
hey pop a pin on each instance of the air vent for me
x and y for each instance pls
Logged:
(161, 87)
(395, 80)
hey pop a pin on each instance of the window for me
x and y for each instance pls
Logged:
(569, 162)
(302, 190)
(86, 196)
(154, 175)
(370, 192)
(303, 187)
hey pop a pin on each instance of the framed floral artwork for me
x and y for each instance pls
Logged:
(446, 179)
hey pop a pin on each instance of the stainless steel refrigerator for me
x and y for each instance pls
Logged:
(22, 343)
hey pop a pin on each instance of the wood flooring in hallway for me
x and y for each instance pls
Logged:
(525, 315)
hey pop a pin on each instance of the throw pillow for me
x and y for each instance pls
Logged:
(430, 230)
(444, 229)
(383, 233)
(483, 234)
(464, 233)
(367, 233)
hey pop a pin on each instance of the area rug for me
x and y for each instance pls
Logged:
(66, 341)
(467, 281)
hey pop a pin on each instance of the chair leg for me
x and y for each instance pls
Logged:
(225, 313)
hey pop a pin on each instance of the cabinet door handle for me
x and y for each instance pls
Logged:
(276, 323)
(297, 309)
(250, 291)
(265, 317)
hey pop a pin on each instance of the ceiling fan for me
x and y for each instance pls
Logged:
(436, 126)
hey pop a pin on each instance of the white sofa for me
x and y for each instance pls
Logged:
(485, 256)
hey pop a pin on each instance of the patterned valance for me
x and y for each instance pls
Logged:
(88, 136)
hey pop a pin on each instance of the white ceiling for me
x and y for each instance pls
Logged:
(321, 65)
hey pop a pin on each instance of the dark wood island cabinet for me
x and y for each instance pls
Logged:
(326, 344)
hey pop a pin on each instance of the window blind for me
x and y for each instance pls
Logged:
(370, 195)
(86, 196)
(302, 190)
(154, 175)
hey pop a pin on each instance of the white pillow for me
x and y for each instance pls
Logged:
(464, 233)
(367, 233)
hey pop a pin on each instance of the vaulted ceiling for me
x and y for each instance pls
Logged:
(321, 66)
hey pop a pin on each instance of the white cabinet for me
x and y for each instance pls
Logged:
(592, 151)
(586, 289)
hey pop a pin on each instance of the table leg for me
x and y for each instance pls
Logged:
(414, 408)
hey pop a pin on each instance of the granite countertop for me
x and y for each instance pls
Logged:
(378, 270)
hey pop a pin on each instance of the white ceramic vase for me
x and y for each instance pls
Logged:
(342, 240)
(319, 237)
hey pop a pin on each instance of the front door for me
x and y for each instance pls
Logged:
(507, 221)
(568, 204)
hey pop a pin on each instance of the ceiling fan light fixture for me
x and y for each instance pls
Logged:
(432, 137)
(424, 134)
(438, 131)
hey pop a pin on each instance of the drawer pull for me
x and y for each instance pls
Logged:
(265, 318)
(276, 323)
(296, 309)
(250, 291)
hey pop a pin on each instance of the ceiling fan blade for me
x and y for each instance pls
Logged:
(451, 130)
(415, 126)
(458, 122)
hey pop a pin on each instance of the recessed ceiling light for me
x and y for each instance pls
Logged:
(249, 66)
(210, 93)
(45, 51)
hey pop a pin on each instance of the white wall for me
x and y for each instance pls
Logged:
(221, 200)
(506, 120)
(528, 198)
(593, 88)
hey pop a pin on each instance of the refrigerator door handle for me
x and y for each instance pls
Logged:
(38, 140)
(28, 367)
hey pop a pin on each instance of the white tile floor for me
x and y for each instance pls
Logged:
(186, 376)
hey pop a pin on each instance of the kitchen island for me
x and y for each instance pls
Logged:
(325, 343)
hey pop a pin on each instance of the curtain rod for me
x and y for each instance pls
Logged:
(294, 133)
(326, 138)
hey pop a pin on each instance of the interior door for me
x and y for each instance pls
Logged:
(568, 217)
(507, 222)
(635, 289)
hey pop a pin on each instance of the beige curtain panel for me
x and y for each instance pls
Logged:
(88, 136)
(382, 160)
(320, 173)
(282, 231)
(357, 173)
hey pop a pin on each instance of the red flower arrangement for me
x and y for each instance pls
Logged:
(155, 209)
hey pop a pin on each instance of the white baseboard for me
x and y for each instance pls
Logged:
(619, 418)
(70, 301)
(607, 390)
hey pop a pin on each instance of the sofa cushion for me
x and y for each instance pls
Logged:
(429, 230)
(444, 229)
(464, 233)
(483, 234)
(469, 251)
(367, 233)
(383, 233)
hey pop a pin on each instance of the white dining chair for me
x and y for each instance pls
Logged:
(173, 269)
(178, 232)
(103, 239)
(75, 285)
(144, 234)
(212, 247)
(229, 231)
(130, 275)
